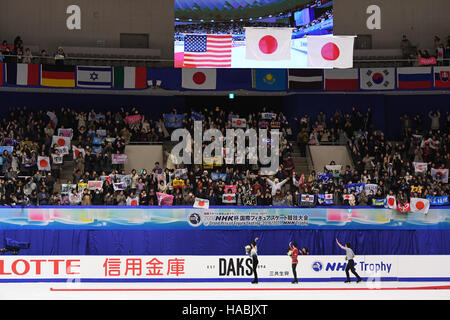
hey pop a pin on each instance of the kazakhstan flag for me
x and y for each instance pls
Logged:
(269, 79)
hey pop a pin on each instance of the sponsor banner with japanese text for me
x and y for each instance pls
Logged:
(225, 268)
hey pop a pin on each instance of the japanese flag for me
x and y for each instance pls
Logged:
(78, 151)
(132, 201)
(349, 197)
(391, 202)
(239, 122)
(268, 43)
(199, 79)
(229, 198)
(330, 51)
(420, 205)
(201, 203)
(43, 163)
(61, 141)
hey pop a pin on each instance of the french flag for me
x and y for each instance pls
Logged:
(22, 74)
(341, 79)
(441, 77)
(414, 78)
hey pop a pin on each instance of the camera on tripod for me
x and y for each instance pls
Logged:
(15, 246)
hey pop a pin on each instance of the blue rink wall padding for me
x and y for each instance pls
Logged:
(228, 242)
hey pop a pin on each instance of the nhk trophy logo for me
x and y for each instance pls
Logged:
(195, 219)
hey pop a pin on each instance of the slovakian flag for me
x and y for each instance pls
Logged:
(377, 78)
(420, 205)
(341, 79)
(441, 77)
(199, 79)
(268, 43)
(201, 203)
(414, 78)
(77, 152)
(330, 51)
(22, 74)
(391, 202)
(130, 77)
(43, 163)
(60, 141)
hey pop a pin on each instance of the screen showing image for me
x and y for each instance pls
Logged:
(215, 34)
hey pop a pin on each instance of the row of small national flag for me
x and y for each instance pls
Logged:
(62, 76)
(103, 77)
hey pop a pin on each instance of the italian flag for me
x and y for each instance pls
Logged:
(130, 77)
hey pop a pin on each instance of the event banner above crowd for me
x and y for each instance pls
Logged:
(219, 218)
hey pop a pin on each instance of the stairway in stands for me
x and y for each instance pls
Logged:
(301, 163)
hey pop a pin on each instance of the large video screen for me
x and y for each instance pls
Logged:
(239, 34)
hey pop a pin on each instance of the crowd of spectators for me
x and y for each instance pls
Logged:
(441, 52)
(389, 165)
(15, 52)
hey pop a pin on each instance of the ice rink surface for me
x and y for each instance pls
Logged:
(225, 291)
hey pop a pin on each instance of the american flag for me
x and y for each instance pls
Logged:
(203, 51)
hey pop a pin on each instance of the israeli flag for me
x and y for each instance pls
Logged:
(94, 77)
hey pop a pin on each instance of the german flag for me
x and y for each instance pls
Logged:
(58, 76)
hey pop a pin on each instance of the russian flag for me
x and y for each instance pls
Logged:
(414, 78)
(441, 77)
(22, 74)
(341, 79)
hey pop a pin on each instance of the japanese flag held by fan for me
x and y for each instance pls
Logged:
(201, 203)
(391, 202)
(60, 141)
(420, 205)
(330, 51)
(43, 163)
(77, 152)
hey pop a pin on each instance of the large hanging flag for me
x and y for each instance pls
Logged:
(377, 78)
(43, 163)
(441, 77)
(330, 51)
(268, 43)
(341, 79)
(199, 79)
(57, 76)
(94, 77)
(130, 77)
(269, 79)
(414, 78)
(22, 74)
(305, 79)
(420, 205)
(207, 51)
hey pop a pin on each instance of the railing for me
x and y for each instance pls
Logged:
(144, 61)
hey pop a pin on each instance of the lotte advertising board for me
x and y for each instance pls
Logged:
(219, 268)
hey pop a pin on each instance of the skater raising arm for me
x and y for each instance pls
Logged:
(349, 255)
